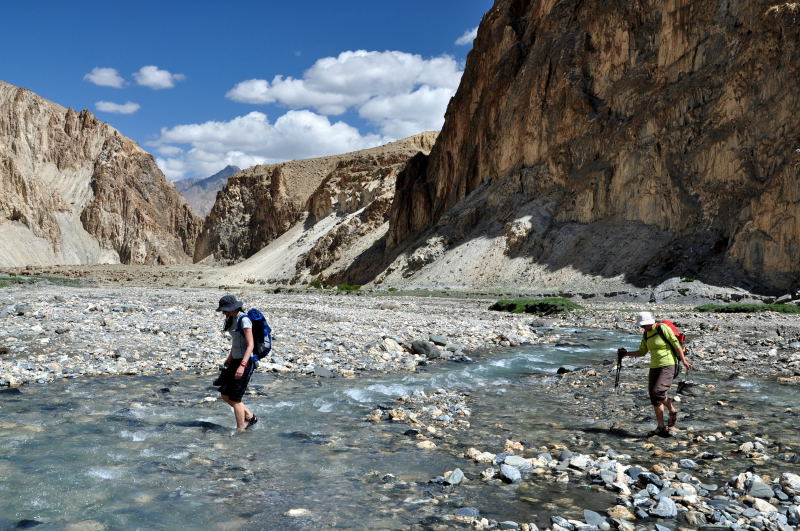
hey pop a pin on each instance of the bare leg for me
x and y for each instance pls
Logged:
(659, 409)
(240, 412)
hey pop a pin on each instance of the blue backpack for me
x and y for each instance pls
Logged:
(262, 333)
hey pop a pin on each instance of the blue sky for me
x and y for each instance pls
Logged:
(205, 84)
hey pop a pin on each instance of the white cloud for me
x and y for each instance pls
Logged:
(128, 107)
(105, 77)
(251, 139)
(155, 78)
(467, 37)
(407, 114)
(370, 82)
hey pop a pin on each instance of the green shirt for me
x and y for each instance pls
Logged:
(661, 355)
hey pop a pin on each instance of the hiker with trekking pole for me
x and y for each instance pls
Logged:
(665, 346)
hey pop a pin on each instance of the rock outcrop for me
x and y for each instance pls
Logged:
(261, 203)
(201, 193)
(641, 139)
(73, 190)
(306, 219)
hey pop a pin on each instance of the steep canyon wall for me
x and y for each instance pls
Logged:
(73, 190)
(641, 138)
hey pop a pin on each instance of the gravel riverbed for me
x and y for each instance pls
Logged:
(50, 331)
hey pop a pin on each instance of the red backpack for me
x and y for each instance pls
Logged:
(681, 337)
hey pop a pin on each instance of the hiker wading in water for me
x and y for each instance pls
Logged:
(239, 364)
(664, 367)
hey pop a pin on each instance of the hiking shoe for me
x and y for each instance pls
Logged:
(252, 421)
(661, 432)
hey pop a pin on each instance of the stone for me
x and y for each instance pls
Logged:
(665, 508)
(508, 524)
(426, 348)
(519, 462)
(687, 464)
(620, 512)
(454, 478)
(759, 489)
(790, 483)
(510, 473)
(470, 512)
(593, 518)
(764, 506)
(438, 340)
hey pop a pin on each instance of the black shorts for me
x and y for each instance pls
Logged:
(231, 387)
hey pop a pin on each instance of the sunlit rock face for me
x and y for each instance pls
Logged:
(73, 190)
(638, 138)
(338, 201)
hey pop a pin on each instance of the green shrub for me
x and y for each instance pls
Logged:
(348, 287)
(688, 279)
(4, 284)
(316, 284)
(547, 306)
(748, 308)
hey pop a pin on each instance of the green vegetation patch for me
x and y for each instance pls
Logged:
(548, 306)
(316, 284)
(348, 287)
(748, 308)
(7, 281)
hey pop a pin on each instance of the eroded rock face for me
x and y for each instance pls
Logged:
(329, 202)
(75, 191)
(667, 132)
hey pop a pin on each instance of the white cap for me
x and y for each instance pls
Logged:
(644, 318)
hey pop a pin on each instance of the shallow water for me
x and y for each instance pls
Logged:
(157, 452)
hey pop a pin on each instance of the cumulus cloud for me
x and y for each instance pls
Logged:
(359, 79)
(404, 115)
(251, 139)
(467, 37)
(155, 78)
(105, 77)
(128, 107)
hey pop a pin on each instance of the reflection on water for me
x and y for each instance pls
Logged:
(157, 452)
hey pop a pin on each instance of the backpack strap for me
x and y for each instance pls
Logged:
(674, 356)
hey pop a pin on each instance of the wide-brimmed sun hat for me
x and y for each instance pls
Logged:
(644, 318)
(228, 303)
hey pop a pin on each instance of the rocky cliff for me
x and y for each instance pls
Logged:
(201, 193)
(305, 219)
(75, 191)
(642, 139)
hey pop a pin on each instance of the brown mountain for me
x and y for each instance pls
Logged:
(201, 193)
(73, 190)
(595, 138)
(305, 219)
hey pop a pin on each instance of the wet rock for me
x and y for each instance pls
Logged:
(687, 464)
(426, 348)
(468, 512)
(454, 478)
(508, 524)
(665, 508)
(510, 473)
(759, 489)
(522, 464)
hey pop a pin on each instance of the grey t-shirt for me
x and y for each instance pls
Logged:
(238, 341)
